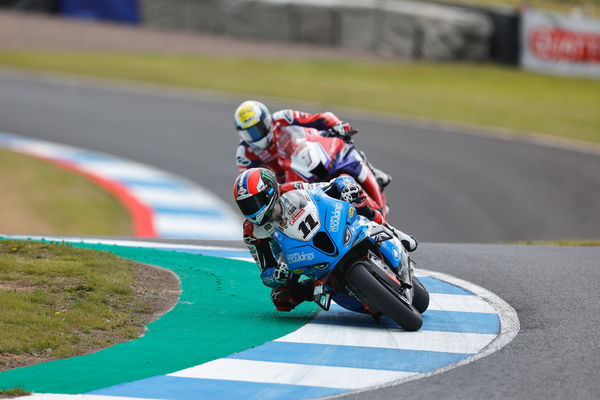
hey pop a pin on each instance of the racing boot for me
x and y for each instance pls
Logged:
(408, 241)
(383, 179)
(286, 298)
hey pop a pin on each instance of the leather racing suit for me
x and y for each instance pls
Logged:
(248, 156)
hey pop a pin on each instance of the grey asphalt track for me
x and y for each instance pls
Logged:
(448, 187)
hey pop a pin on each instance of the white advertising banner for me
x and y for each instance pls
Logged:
(560, 44)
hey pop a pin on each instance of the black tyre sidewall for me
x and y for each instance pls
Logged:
(377, 296)
(421, 296)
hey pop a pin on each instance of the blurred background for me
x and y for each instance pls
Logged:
(485, 112)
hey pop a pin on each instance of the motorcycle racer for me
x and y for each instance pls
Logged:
(257, 194)
(259, 131)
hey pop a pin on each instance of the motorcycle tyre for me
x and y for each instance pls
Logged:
(420, 297)
(383, 299)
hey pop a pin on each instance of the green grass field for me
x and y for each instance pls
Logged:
(479, 94)
(41, 198)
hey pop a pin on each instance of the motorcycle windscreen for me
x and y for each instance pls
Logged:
(308, 158)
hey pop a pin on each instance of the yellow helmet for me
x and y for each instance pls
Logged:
(253, 123)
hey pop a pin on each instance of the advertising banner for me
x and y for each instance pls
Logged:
(560, 44)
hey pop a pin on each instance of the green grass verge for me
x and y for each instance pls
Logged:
(220, 299)
(487, 95)
(14, 392)
(57, 300)
(42, 198)
(590, 7)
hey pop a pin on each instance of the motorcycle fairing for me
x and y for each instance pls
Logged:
(310, 254)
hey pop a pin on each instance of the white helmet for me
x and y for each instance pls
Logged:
(253, 123)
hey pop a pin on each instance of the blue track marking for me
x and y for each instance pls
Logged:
(350, 356)
(176, 388)
(433, 320)
(464, 322)
(436, 286)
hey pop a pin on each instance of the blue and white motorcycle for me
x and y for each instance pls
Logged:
(355, 262)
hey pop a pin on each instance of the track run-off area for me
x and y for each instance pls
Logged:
(450, 186)
(185, 354)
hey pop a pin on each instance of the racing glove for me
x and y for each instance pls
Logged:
(354, 195)
(344, 131)
(282, 273)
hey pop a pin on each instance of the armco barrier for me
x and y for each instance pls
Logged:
(399, 28)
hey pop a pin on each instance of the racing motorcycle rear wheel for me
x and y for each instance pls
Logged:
(378, 296)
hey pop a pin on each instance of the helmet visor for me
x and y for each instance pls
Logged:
(255, 207)
(254, 133)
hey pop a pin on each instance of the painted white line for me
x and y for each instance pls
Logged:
(187, 198)
(123, 169)
(457, 302)
(448, 342)
(290, 374)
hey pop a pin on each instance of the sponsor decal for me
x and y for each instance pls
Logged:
(296, 216)
(551, 43)
(299, 257)
(396, 254)
(298, 271)
(242, 193)
(334, 220)
(351, 212)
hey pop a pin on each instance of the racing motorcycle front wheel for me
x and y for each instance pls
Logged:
(377, 294)
(420, 297)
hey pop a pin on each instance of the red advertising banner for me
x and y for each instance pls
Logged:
(564, 44)
(560, 44)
